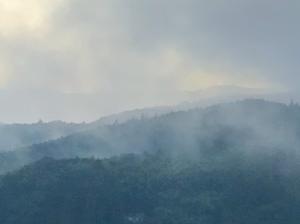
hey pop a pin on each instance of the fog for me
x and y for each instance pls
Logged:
(149, 111)
(246, 130)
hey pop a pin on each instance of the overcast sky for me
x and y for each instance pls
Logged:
(77, 60)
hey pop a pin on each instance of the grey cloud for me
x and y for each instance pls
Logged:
(233, 34)
(254, 34)
(116, 48)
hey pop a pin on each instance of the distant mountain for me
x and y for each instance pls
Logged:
(229, 93)
(125, 116)
(249, 125)
(194, 99)
(14, 136)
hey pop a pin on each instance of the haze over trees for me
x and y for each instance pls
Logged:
(229, 163)
(149, 112)
(20, 135)
(218, 187)
(251, 125)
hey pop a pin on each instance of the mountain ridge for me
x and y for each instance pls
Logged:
(242, 123)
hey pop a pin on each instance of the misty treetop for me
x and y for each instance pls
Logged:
(153, 188)
(251, 126)
(13, 136)
(230, 163)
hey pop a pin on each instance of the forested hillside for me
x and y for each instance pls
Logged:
(246, 126)
(14, 136)
(215, 187)
(230, 163)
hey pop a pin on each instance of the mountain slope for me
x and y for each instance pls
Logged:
(14, 136)
(155, 188)
(250, 126)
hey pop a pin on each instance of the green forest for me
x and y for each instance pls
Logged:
(235, 163)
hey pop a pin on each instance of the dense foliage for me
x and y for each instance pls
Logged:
(231, 164)
(250, 125)
(220, 187)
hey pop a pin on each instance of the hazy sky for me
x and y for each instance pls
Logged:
(77, 60)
